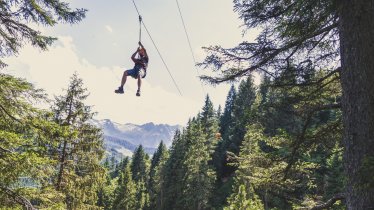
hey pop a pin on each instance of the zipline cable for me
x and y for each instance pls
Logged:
(140, 28)
(189, 43)
(154, 44)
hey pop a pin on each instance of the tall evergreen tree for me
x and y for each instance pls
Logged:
(227, 115)
(26, 137)
(124, 195)
(174, 173)
(199, 177)
(239, 114)
(209, 120)
(140, 171)
(16, 17)
(24, 129)
(80, 151)
(312, 35)
(242, 114)
(241, 201)
(157, 176)
(140, 165)
(286, 166)
(106, 192)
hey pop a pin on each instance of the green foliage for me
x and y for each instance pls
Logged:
(303, 33)
(25, 141)
(140, 171)
(79, 151)
(16, 17)
(174, 172)
(189, 174)
(125, 192)
(226, 119)
(199, 176)
(140, 165)
(157, 176)
(240, 201)
(106, 193)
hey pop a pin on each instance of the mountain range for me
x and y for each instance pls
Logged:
(123, 139)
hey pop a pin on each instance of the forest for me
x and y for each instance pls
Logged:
(302, 139)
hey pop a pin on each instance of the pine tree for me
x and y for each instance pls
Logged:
(80, 151)
(227, 115)
(305, 36)
(16, 17)
(199, 176)
(125, 193)
(140, 170)
(209, 120)
(26, 137)
(156, 176)
(139, 165)
(26, 132)
(242, 114)
(219, 113)
(174, 173)
(287, 166)
(225, 122)
(106, 192)
(237, 115)
(240, 201)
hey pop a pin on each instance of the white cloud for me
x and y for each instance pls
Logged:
(52, 69)
(108, 28)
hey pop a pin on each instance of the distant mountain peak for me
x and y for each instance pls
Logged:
(121, 137)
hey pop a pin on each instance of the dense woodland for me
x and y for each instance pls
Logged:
(302, 139)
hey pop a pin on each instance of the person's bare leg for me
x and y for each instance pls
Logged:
(124, 77)
(139, 85)
(139, 82)
(123, 81)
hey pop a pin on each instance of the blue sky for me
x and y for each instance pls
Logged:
(99, 50)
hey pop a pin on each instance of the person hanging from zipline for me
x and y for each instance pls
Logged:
(138, 72)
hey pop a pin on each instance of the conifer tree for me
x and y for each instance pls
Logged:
(106, 192)
(79, 172)
(209, 120)
(225, 122)
(305, 36)
(199, 176)
(26, 137)
(124, 195)
(139, 165)
(157, 176)
(219, 113)
(140, 171)
(240, 201)
(237, 115)
(25, 129)
(174, 173)
(16, 17)
(227, 115)
(242, 114)
(286, 166)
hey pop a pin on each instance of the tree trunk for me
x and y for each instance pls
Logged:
(62, 167)
(357, 79)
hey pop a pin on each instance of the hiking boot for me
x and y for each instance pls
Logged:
(138, 93)
(119, 90)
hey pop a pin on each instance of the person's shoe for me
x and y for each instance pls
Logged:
(138, 93)
(119, 90)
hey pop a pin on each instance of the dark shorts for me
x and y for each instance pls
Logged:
(133, 72)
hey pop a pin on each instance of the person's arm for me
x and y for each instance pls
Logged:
(133, 56)
(145, 51)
